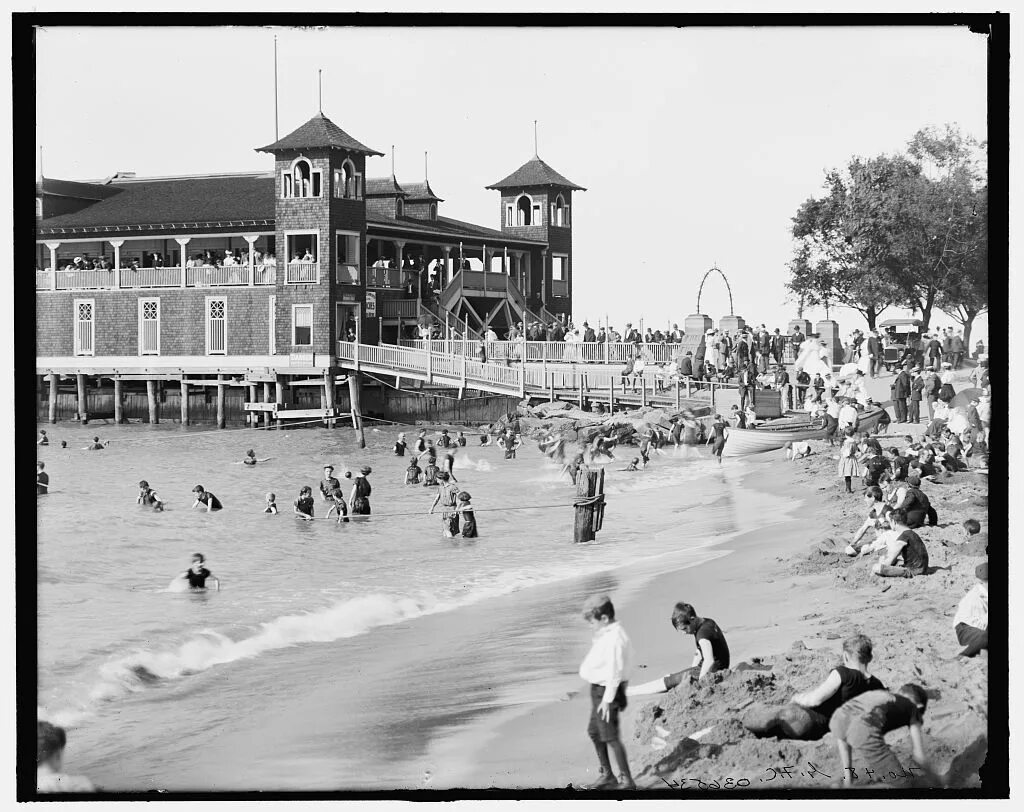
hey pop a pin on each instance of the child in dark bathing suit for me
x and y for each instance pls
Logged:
(43, 439)
(412, 474)
(461, 439)
(204, 497)
(360, 497)
(42, 480)
(148, 497)
(96, 445)
(271, 504)
(303, 506)
(633, 465)
(339, 505)
(250, 458)
(197, 574)
(469, 530)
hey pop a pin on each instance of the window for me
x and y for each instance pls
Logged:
(558, 268)
(302, 325)
(559, 212)
(302, 246)
(524, 211)
(216, 326)
(347, 183)
(432, 211)
(302, 180)
(509, 220)
(85, 326)
(399, 208)
(348, 258)
(536, 214)
(149, 326)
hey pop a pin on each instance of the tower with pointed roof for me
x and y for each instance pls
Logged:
(320, 235)
(536, 203)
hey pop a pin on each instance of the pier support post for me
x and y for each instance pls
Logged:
(118, 402)
(266, 399)
(184, 403)
(589, 504)
(83, 414)
(220, 401)
(329, 394)
(154, 407)
(52, 406)
(354, 385)
(252, 417)
(278, 397)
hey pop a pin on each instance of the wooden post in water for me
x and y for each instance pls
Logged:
(184, 403)
(83, 414)
(52, 406)
(589, 504)
(677, 394)
(220, 401)
(354, 383)
(154, 411)
(118, 403)
(252, 417)
(329, 395)
(266, 399)
(278, 396)
(611, 394)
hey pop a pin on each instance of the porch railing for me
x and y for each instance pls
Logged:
(302, 273)
(151, 278)
(85, 280)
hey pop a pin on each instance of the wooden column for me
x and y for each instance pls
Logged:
(266, 399)
(154, 407)
(220, 401)
(52, 416)
(354, 384)
(83, 414)
(184, 403)
(329, 394)
(589, 510)
(278, 396)
(252, 417)
(118, 402)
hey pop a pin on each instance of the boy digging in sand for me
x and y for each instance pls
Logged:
(607, 667)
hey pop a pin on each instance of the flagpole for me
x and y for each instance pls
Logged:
(276, 136)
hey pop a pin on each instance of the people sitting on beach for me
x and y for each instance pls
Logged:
(607, 668)
(807, 715)
(971, 620)
(903, 546)
(50, 743)
(413, 473)
(43, 439)
(877, 520)
(205, 498)
(271, 506)
(860, 725)
(42, 479)
(712, 653)
(447, 498)
(915, 504)
(197, 573)
(338, 506)
(148, 497)
(466, 512)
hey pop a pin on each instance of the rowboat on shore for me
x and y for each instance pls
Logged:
(775, 434)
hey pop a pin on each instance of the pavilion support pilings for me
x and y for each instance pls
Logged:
(220, 401)
(83, 413)
(151, 400)
(266, 399)
(355, 381)
(329, 395)
(52, 405)
(184, 403)
(278, 397)
(252, 417)
(118, 402)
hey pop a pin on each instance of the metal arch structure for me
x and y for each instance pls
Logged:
(727, 287)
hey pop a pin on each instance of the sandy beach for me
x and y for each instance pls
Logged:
(785, 596)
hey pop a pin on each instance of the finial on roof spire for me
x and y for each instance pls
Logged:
(320, 85)
(426, 177)
(536, 152)
(392, 160)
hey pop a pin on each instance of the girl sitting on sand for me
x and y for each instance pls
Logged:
(848, 465)
(807, 715)
(878, 512)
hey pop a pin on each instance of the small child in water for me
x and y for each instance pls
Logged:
(63, 443)
(468, 516)
(250, 457)
(148, 497)
(339, 505)
(304, 504)
(412, 473)
(96, 445)
(485, 439)
(43, 439)
(271, 504)
(461, 439)
(633, 466)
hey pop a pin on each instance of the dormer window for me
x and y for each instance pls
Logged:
(559, 212)
(347, 182)
(302, 180)
(524, 211)
(399, 207)
(432, 211)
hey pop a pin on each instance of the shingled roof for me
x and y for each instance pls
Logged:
(448, 227)
(420, 191)
(535, 173)
(383, 187)
(76, 189)
(319, 132)
(166, 201)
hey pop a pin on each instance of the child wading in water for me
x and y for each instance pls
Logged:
(250, 458)
(197, 574)
(148, 497)
(607, 667)
(447, 497)
(339, 505)
(271, 504)
(413, 473)
(304, 504)
(204, 497)
(468, 516)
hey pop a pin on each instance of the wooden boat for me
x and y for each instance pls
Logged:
(775, 434)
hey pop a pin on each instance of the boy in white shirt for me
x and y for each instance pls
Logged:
(607, 667)
(971, 619)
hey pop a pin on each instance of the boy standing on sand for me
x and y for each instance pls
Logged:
(607, 667)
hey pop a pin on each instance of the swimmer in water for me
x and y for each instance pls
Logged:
(328, 483)
(633, 465)
(465, 510)
(43, 439)
(96, 445)
(271, 504)
(400, 445)
(430, 472)
(148, 497)
(461, 439)
(339, 506)
(413, 473)
(448, 465)
(303, 506)
(447, 497)
(421, 441)
(42, 480)
(204, 497)
(444, 441)
(63, 443)
(718, 437)
(197, 574)
(250, 458)
(360, 497)
(485, 439)
(50, 743)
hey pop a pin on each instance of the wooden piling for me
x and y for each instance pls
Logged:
(220, 401)
(354, 381)
(329, 395)
(266, 399)
(154, 409)
(278, 397)
(252, 417)
(184, 403)
(118, 402)
(83, 413)
(52, 406)
(589, 504)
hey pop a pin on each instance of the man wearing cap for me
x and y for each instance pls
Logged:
(632, 334)
(971, 619)
(874, 352)
(328, 483)
(958, 348)
(916, 394)
(947, 346)
(933, 352)
(900, 393)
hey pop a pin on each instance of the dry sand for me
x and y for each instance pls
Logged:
(785, 597)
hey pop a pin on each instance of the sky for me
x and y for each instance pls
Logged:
(696, 146)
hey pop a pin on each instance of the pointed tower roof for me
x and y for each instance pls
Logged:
(421, 191)
(317, 133)
(535, 173)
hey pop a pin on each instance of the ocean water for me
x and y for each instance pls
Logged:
(335, 656)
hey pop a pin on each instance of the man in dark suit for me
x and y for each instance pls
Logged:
(748, 382)
(588, 333)
(916, 395)
(777, 343)
(686, 365)
(875, 352)
(798, 339)
(900, 392)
